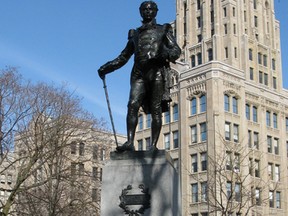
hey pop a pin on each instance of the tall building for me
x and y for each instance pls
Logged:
(228, 121)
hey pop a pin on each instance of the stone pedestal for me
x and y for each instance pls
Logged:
(140, 183)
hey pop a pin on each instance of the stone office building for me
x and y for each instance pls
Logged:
(228, 121)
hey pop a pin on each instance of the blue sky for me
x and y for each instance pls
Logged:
(66, 41)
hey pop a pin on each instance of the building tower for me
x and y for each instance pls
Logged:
(228, 123)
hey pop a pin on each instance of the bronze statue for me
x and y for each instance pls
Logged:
(153, 46)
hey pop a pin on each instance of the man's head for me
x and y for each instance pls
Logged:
(148, 10)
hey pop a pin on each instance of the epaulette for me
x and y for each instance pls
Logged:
(167, 26)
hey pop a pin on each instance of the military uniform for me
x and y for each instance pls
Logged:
(153, 46)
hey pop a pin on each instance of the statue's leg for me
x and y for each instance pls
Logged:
(156, 111)
(135, 100)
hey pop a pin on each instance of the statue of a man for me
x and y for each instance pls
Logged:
(153, 46)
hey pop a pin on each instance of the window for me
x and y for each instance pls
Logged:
(276, 146)
(199, 58)
(234, 31)
(269, 144)
(275, 122)
(194, 163)
(193, 61)
(234, 11)
(198, 4)
(277, 173)
(235, 52)
(257, 197)
(250, 166)
(95, 195)
(193, 106)
(257, 168)
(81, 149)
(194, 193)
(203, 191)
(228, 161)
(237, 162)
(203, 132)
(251, 73)
(140, 120)
(270, 171)
(286, 123)
(265, 79)
(73, 147)
(261, 77)
(203, 161)
(94, 173)
(278, 199)
(256, 140)
(273, 64)
(259, 58)
(229, 190)
(199, 38)
(224, 11)
(237, 192)
(175, 112)
(199, 22)
(265, 60)
(226, 103)
(271, 199)
(103, 154)
(268, 118)
(226, 52)
(255, 4)
(235, 105)
(225, 28)
(255, 21)
(95, 152)
(249, 138)
(236, 133)
(247, 111)
(167, 141)
(250, 54)
(212, 16)
(147, 142)
(140, 145)
(274, 83)
(81, 168)
(255, 115)
(210, 54)
(203, 103)
(167, 117)
(148, 120)
(175, 139)
(194, 134)
(227, 131)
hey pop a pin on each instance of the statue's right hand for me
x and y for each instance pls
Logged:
(101, 72)
(104, 69)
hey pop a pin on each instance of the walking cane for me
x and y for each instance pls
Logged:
(109, 109)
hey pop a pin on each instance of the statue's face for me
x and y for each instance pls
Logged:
(148, 12)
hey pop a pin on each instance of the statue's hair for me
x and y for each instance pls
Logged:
(153, 4)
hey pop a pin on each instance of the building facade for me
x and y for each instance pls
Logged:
(228, 121)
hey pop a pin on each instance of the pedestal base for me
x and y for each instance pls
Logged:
(140, 183)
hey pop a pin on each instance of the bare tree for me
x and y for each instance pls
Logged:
(45, 121)
(233, 181)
